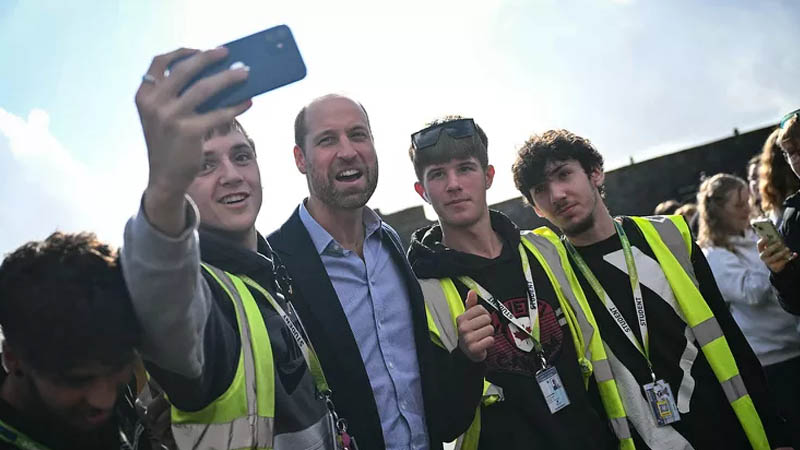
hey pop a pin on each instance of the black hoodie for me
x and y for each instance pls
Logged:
(522, 420)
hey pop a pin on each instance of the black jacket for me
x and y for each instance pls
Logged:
(787, 282)
(321, 312)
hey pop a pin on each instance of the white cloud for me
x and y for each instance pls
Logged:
(45, 188)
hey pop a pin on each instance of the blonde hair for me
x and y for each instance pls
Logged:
(711, 198)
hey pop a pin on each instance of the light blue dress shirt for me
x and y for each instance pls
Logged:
(375, 300)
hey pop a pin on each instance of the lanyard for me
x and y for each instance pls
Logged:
(533, 305)
(638, 300)
(305, 346)
(17, 439)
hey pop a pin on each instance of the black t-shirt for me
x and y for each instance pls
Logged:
(709, 422)
(523, 420)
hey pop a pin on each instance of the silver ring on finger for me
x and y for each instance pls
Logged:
(147, 78)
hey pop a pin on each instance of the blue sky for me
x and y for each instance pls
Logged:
(639, 78)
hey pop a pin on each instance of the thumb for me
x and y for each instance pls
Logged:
(472, 299)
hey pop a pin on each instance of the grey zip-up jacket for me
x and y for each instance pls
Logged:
(191, 345)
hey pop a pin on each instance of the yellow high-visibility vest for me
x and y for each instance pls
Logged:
(444, 304)
(243, 417)
(671, 242)
(670, 239)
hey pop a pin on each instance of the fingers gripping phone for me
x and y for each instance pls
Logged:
(273, 59)
(766, 230)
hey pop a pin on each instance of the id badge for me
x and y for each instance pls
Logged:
(662, 403)
(553, 389)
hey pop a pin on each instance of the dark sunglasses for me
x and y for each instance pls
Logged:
(456, 129)
(787, 117)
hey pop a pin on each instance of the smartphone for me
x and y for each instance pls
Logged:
(765, 229)
(273, 59)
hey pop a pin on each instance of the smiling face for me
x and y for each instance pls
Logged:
(569, 197)
(84, 397)
(227, 190)
(338, 157)
(457, 190)
(79, 399)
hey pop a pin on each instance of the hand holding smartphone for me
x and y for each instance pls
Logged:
(771, 247)
(272, 58)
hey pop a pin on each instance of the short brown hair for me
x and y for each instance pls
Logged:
(224, 129)
(552, 145)
(300, 129)
(448, 148)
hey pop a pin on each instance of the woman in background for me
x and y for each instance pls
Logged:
(730, 247)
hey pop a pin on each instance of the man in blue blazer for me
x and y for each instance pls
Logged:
(357, 296)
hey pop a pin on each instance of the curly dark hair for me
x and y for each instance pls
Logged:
(64, 303)
(447, 148)
(552, 145)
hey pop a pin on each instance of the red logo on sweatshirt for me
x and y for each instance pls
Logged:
(512, 351)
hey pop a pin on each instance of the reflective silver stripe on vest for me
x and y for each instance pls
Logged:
(672, 237)
(550, 254)
(620, 427)
(440, 311)
(602, 370)
(318, 436)
(707, 331)
(734, 388)
(494, 389)
(219, 436)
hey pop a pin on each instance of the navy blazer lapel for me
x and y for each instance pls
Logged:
(319, 308)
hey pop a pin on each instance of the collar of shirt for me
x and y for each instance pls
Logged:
(324, 242)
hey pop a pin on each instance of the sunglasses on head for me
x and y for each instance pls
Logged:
(456, 129)
(787, 117)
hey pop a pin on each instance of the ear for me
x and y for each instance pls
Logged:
(538, 212)
(300, 159)
(421, 191)
(489, 176)
(597, 176)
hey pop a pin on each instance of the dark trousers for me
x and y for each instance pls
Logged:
(784, 384)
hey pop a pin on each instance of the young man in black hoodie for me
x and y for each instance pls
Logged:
(515, 331)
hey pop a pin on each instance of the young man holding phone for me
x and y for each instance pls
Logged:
(474, 266)
(219, 337)
(685, 376)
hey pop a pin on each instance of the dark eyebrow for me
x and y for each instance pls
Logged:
(554, 169)
(241, 146)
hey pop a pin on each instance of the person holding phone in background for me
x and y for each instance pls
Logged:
(730, 248)
(219, 337)
(781, 255)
